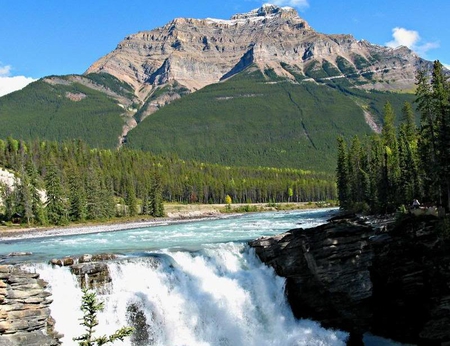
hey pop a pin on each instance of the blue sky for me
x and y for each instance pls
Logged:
(53, 37)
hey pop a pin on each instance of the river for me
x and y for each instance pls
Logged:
(191, 283)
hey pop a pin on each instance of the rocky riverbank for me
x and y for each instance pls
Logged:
(390, 279)
(24, 309)
(25, 316)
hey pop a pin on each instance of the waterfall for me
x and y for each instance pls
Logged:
(220, 295)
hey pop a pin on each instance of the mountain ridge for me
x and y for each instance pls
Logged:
(271, 33)
(235, 67)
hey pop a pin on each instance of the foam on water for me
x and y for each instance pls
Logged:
(220, 295)
(240, 228)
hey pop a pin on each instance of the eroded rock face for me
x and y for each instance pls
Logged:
(327, 271)
(197, 52)
(24, 309)
(349, 275)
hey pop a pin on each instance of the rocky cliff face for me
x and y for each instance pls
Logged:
(193, 53)
(349, 275)
(24, 309)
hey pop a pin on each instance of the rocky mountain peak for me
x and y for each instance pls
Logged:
(268, 10)
(188, 54)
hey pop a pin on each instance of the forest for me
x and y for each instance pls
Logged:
(61, 182)
(257, 118)
(385, 172)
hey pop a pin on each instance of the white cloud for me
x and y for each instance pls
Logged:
(8, 84)
(447, 66)
(410, 39)
(5, 70)
(292, 3)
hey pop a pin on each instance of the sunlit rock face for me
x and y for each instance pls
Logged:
(194, 53)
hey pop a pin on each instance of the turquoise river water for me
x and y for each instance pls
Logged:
(191, 283)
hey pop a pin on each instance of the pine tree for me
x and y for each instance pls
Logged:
(56, 206)
(409, 124)
(130, 197)
(24, 198)
(342, 174)
(391, 163)
(37, 187)
(377, 196)
(8, 199)
(156, 206)
(427, 142)
(77, 198)
(90, 306)
(441, 106)
(94, 195)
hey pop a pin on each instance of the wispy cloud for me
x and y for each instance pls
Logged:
(301, 4)
(5, 70)
(410, 39)
(8, 83)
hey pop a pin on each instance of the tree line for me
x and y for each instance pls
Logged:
(381, 172)
(61, 182)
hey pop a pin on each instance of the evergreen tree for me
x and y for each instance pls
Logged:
(156, 206)
(377, 195)
(90, 306)
(391, 163)
(398, 167)
(409, 124)
(77, 198)
(8, 199)
(24, 198)
(441, 108)
(57, 211)
(37, 187)
(130, 197)
(427, 143)
(342, 174)
(94, 195)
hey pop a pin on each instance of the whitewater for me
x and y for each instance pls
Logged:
(181, 284)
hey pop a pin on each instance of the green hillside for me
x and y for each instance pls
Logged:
(252, 119)
(59, 112)
(256, 119)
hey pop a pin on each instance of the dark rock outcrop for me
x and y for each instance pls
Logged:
(348, 274)
(91, 275)
(89, 269)
(24, 309)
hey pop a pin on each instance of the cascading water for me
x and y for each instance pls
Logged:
(195, 283)
(219, 295)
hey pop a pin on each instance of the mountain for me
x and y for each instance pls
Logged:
(260, 89)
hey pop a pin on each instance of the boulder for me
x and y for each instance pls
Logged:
(92, 274)
(89, 272)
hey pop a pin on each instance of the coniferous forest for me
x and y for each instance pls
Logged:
(57, 183)
(380, 173)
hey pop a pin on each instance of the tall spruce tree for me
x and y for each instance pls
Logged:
(391, 164)
(342, 174)
(156, 206)
(37, 193)
(56, 206)
(77, 197)
(427, 142)
(130, 196)
(441, 108)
